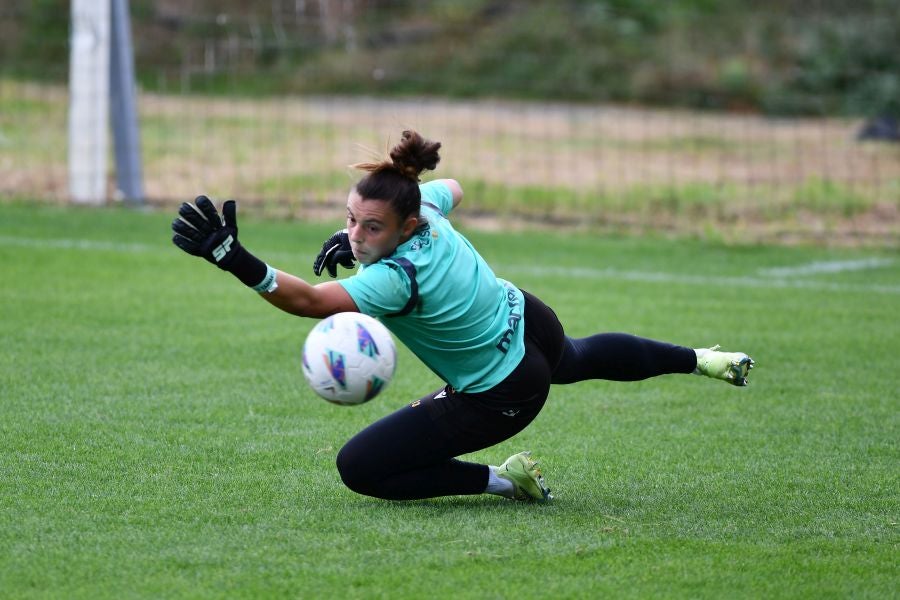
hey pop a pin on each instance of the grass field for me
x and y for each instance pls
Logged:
(157, 439)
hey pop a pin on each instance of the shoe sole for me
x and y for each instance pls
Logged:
(546, 496)
(740, 369)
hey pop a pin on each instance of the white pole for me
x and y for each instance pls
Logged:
(89, 100)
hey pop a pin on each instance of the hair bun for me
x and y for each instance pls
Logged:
(415, 154)
(408, 158)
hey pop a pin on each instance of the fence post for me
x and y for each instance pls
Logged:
(124, 106)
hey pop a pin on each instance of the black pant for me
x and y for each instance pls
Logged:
(410, 453)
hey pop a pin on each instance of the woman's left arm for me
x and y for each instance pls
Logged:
(455, 190)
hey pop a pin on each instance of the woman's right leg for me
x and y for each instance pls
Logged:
(410, 454)
(406, 456)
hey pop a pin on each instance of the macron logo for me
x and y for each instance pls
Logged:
(222, 249)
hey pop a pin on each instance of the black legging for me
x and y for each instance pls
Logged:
(410, 453)
(620, 357)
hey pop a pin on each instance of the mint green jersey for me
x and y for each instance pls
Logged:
(439, 297)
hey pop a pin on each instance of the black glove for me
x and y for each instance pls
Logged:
(335, 251)
(200, 231)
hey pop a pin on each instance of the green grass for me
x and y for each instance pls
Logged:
(157, 439)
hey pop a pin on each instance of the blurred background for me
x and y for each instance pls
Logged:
(771, 120)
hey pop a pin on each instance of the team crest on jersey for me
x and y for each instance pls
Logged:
(367, 345)
(419, 244)
(337, 367)
(422, 240)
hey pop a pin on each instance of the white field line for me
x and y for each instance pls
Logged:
(832, 266)
(69, 244)
(773, 278)
(698, 280)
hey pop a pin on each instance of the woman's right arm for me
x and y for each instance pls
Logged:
(297, 297)
(200, 231)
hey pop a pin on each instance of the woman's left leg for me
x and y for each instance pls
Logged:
(621, 357)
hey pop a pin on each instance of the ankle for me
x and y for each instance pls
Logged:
(498, 485)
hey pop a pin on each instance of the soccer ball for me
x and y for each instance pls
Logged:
(349, 358)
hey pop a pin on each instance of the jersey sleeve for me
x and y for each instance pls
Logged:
(379, 289)
(438, 196)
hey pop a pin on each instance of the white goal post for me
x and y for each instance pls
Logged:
(88, 100)
(101, 84)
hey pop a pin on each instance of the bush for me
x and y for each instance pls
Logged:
(784, 57)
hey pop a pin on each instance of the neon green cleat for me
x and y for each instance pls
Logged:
(732, 367)
(528, 483)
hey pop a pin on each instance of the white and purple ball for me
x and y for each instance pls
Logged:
(349, 358)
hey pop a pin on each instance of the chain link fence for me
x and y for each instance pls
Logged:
(587, 163)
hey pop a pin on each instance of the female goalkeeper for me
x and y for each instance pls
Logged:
(497, 347)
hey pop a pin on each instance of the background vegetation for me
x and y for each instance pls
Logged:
(780, 57)
(726, 119)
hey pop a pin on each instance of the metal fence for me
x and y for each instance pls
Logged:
(549, 161)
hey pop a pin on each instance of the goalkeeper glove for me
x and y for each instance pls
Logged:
(201, 232)
(335, 251)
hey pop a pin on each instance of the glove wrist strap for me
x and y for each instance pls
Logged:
(246, 267)
(269, 284)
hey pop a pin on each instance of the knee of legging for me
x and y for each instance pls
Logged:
(356, 471)
(353, 472)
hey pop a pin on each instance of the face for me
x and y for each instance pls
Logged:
(374, 228)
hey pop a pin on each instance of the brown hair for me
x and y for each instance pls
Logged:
(396, 179)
